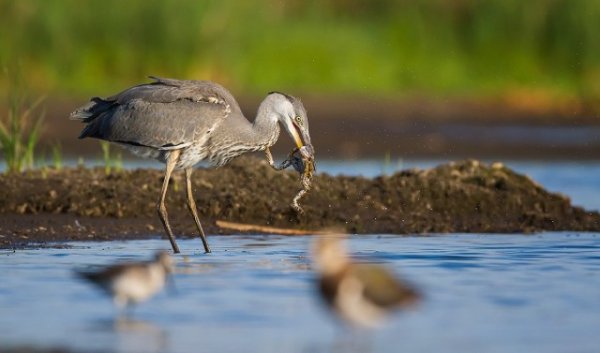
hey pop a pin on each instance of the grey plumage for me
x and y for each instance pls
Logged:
(182, 122)
(157, 117)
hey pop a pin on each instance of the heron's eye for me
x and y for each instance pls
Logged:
(298, 119)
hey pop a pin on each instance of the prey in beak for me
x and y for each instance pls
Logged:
(294, 120)
(302, 158)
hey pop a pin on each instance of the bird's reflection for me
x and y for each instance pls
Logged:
(133, 335)
(346, 341)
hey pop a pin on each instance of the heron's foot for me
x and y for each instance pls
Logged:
(283, 165)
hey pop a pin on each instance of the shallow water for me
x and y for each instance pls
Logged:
(483, 293)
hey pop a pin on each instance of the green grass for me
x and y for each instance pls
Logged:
(57, 159)
(112, 161)
(19, 128)
(436, 47)
(387, 167)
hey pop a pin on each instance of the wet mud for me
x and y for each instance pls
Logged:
(468, 196)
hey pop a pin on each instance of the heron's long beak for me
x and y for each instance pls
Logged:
(298, 134)
(294, 133)
(301, 137)
(308, 151)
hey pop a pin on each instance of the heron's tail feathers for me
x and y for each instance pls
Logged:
(91, 110)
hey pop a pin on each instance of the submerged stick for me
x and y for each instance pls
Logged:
(244, 227)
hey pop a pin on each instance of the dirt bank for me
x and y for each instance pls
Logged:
(468, 196)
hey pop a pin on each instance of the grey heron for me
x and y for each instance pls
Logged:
(183, 122)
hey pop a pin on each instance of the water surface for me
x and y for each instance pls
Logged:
(483, 293)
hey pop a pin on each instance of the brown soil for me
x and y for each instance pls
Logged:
(88, 204)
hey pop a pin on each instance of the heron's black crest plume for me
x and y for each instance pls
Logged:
(290, 98)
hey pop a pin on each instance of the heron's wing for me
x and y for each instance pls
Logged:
(382, 288)
(158, 125)
(166, 90)
(164, 114)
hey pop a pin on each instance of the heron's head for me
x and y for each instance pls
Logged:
(292, 115)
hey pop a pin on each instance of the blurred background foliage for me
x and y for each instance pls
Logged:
(438, 48)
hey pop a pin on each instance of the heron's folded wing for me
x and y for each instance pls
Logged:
(165, 90)
(156, 124)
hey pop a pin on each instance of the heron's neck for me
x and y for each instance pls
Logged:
(265, 128)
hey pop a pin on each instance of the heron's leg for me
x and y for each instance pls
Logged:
(281, 166)
(162, 210)
(192, 207)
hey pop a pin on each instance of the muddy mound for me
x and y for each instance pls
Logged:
(466, 196)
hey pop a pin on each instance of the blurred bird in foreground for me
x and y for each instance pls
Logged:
(361, 294)
(132, 283)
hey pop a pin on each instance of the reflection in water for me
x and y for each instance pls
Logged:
(346, 340)
(133, 335)
(353, 341)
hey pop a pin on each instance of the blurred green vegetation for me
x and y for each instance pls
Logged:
(432, 47)
(111, 160)
(20, 127)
